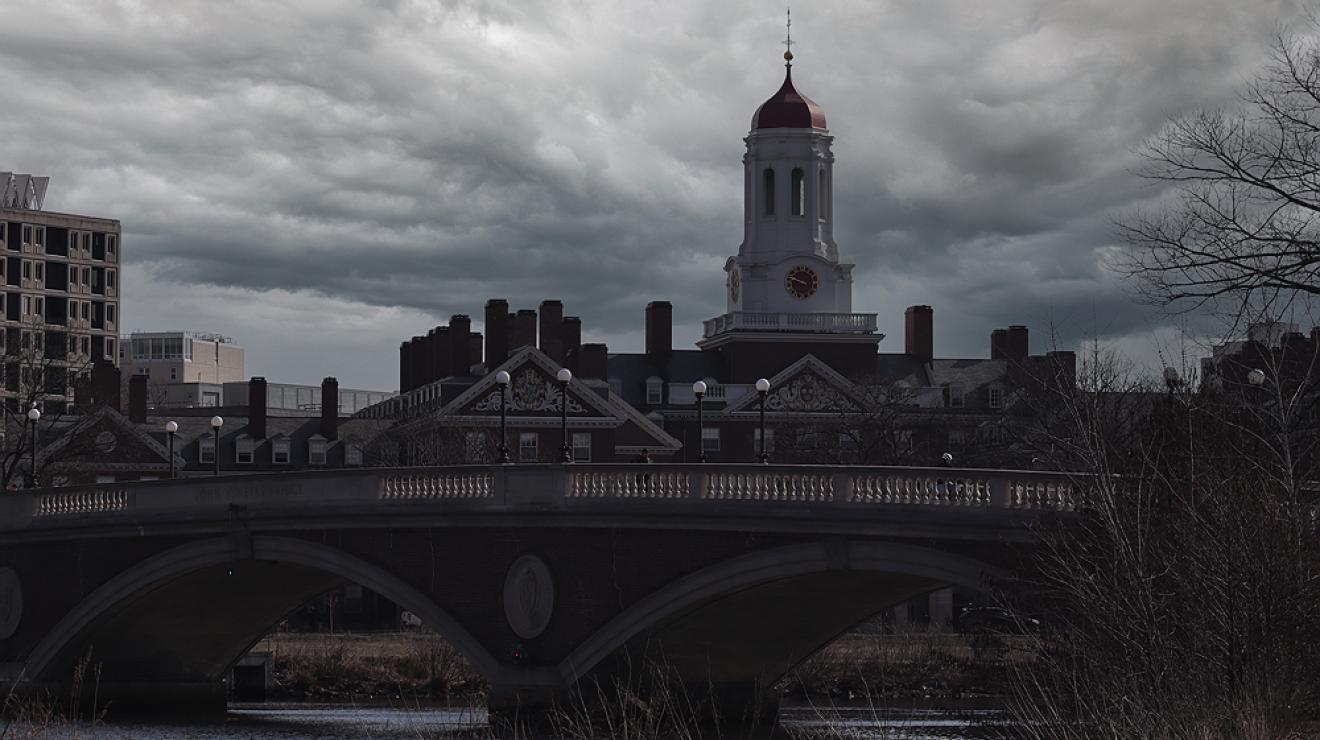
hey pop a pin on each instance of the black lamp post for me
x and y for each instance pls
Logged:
(565, 450)
(502, 379)
(216, 423)
(763, 388)
(170, 428)
(34, 415)
(699, 389)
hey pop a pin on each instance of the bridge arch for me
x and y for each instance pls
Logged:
(902, 570)
(315, 567)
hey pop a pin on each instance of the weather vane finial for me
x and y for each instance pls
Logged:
(788, 40)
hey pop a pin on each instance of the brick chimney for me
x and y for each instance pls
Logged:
(572, 342)
(552, 327)
(999, 344)
(439, 355)
(330, 408)
(919, 334)
(593, 362)
(524, 329)
(137, 399)
(405, 369)
(256, 427)
(659, 328)
(497, 332)
(460, 344)
(105, 385)
(475, 345)
(1018, 346)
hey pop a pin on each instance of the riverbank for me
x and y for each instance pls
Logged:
(420, 666)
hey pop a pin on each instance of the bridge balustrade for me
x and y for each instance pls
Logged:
(559, 487)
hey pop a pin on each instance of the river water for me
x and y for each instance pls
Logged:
(338, 722)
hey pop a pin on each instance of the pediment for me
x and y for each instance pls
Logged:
(106, 437)
(533, 391)
(806, 386)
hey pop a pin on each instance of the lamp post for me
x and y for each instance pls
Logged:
(502, 379)
(34, 415)
(565, 450)
(763, 388)
(216, 423)
(699, 390)
(170, 428)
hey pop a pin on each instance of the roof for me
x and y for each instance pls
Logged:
(788, 108)
(678, 366)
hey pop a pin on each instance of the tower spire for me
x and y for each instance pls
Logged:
(788, 40)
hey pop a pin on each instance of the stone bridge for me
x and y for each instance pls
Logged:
(540, 575)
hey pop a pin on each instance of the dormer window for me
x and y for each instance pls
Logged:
(279, 451)
(206, 450)
(243, 448)
(996, 397)
(955, 396)
(316, 451)
(655, 391)
(353, 453)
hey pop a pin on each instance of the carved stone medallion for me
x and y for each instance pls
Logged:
(529, 596)
(11, 603)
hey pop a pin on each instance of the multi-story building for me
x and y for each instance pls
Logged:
(61, 289)
(182, 357)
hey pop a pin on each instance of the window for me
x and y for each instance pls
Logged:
(86, 242)
(86, 311)
(655, 392)
(316, 451)
(710, 439)
(955, 396)
(27, 234)
(279, 451)
(996, 398)
(768, 186)
(243, 450)
(87, 276)
(957, 440)
(111, 246)
(474, 447)
(904, 440)
(39, 271)
(174, 373)
(109, 279)
(206, 449)
(109, 348)
(39, 236)
(353, 454)
(27, 305)
(4, 231)
(104, 478)
(527, 447)
(581, 447)
(769, 440)
(210, 398)
(27, 270)
(110, 314)
(38, 306)
(73, 241)
(799, 193)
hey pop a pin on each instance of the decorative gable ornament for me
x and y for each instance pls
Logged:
(807, 391)
(530, 392)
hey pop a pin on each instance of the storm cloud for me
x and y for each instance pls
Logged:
(323, 180)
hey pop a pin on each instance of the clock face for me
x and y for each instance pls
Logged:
(735, 285)
(801, 282)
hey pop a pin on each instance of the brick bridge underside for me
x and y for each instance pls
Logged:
(165, 614)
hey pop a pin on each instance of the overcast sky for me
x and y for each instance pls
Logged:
(322, 180)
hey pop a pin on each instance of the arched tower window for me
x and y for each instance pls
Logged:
(799, 193)
(823, 196)
(768, 186)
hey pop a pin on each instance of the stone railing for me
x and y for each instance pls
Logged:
(720, 489)
(824, 323)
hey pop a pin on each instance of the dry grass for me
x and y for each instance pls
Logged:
(395, 665)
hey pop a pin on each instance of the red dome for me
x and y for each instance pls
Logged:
(788, 108)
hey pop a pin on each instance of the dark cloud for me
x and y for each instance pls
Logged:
(324, 181)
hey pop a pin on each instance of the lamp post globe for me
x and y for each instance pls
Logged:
(565, 450)
(763, 389)
(216, 423)
(947, 459)
(1256, 377)
(699, 390)
(170, 428)
(502, 379)
(34, 415)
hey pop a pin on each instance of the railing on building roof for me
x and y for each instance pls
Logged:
(823, 323)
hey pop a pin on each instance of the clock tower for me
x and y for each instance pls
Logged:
(786, 281)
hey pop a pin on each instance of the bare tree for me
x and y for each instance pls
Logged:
(1241, 220)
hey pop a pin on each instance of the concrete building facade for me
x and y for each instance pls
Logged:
(60, 294)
